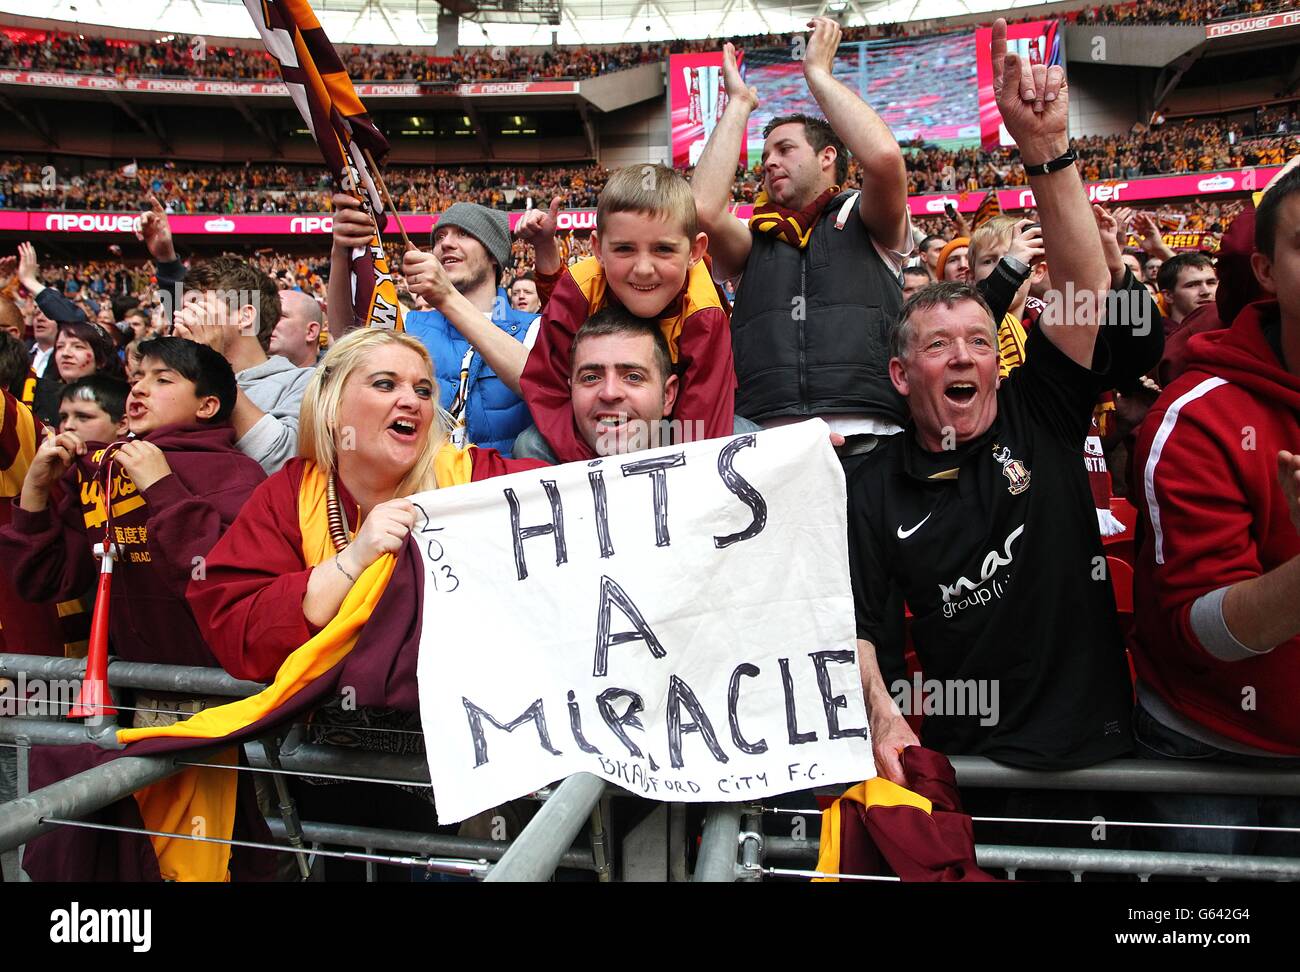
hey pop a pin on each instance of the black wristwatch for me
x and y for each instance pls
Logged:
(1058, 163)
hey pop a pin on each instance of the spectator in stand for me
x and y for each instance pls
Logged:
(94, 407)
(914, 278)
(523, 294)
(954, 261)
(1064, 692)
(281, 573)
(81, 349)
(1188, 281)
(811, 335)
(648, 257)
(929, 250)
(1216, 587)
(232, 307)
(177, 485)
(297, 334)
(478, 342)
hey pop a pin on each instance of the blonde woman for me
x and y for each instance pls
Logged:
(371, 434)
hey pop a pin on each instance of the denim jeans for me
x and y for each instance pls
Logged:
(1157, 741)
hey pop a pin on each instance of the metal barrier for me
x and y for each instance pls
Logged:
(732, 846)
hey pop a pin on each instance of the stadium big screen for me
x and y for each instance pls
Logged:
(936, 89)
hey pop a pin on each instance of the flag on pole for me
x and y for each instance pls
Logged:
(989, 207)
(319, 85)
(130, 171)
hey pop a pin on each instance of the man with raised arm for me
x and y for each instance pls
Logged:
(821, 264)
(980, 513)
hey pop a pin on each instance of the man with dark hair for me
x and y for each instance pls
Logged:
(166, 497)
(821, 266)
(523, 293)
(1217, 582)
(980, 513)
(233, 308)
(914, 279)
(930, 248)
(1188, 281)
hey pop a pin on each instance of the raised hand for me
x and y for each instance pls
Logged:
(1027, 243)
(352, 227)
(29, 269)
(1033, 100)
(537, 225)
(734, 84)
(156, 232)
(823, 42)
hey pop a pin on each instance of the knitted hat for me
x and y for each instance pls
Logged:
(946, 252)
(489, 226)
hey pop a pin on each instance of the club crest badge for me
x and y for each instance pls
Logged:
(1015, 471)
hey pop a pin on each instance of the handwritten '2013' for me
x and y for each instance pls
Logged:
(436, 552)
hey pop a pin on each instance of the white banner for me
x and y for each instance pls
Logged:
(678, 621)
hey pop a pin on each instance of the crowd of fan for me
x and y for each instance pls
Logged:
(182, 56)
(1190, 145)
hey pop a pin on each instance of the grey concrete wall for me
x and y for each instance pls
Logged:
(1106, 100)
(610, 92)
(635, 134)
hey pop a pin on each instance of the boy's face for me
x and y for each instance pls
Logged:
(646, 259)
(618, 393)
(89, 421)
(161, 396)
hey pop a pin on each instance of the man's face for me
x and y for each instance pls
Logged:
(1134, 264)
(950, 374)
(523, 296)
(1196, 286)
(464, 258)
(646, 260)
(296, 335)
(957, 266)
(618, 394)
(161, 396)
(215, 319)
(931, 255)
(105, 317)
(1280, 275)
(89, 421)
(793, 174)
(1152, 269)
(43, 328)
(912, 282)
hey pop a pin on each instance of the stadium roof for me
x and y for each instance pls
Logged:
(513, 22)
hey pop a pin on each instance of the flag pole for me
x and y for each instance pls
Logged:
(388, 201)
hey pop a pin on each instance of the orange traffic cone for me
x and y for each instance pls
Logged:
(94, 699)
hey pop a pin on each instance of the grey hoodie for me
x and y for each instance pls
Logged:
(276, 387)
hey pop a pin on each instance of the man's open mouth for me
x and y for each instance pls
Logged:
(960, 392)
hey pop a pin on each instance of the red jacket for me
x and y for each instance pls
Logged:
(698, 329)
(163, 534)
(1213, 515)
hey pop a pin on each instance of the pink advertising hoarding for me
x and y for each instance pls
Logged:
(420, 225)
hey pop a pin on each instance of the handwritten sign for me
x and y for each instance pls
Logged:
(678, 621)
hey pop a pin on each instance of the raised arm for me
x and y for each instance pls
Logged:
(1034, 103)
(883, 203)
(729, 239)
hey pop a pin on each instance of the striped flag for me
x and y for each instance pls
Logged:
(323, 92)
(989, 207)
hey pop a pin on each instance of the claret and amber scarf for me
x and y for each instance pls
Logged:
(793, 226)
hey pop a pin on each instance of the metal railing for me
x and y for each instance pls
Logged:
(732, 847)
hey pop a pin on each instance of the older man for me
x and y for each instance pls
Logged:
(980, 513)
(297, 333)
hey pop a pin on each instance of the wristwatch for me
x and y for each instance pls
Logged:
(1058, 163)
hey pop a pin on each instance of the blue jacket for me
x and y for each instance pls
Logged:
(494, 414)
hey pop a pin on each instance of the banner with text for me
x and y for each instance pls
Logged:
(678, 621)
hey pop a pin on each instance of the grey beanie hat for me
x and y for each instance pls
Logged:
(489, 226)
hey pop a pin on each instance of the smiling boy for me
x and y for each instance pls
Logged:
(647, 257)
(174, 488)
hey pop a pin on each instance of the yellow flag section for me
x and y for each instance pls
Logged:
(209, 794)
(875, 792)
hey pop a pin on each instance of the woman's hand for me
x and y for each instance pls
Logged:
(383, 532)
